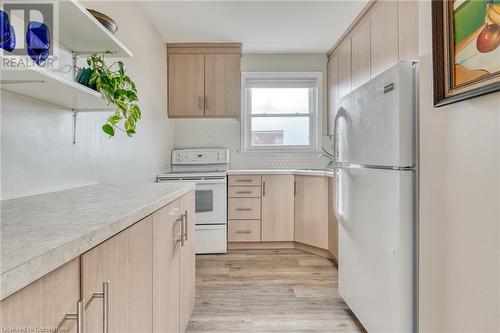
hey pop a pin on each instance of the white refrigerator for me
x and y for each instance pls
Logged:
(375, 148)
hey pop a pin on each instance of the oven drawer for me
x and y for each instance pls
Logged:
(244, 230)
(244, 208)
(245, 180)
(244, 192)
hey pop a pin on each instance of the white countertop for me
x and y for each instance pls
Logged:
(42, 232)
(298, 172)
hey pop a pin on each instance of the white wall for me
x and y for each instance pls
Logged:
(459, 206)
(37, 150)
(225, 133)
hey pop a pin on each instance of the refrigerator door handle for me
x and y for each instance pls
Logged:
(336, 161)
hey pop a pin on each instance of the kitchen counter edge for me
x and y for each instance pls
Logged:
(296, 172)
(21, 275)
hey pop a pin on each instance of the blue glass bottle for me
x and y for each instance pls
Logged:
(38, 41)
(7, 34)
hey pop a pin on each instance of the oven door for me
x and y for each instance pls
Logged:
(211, 201)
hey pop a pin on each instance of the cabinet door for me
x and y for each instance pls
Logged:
(166, 266)
(408, 30)
(44, 303)
(311, 211)
(344, 66)
(186, 73)
(187, 264)
(384, 36)
(277, 208)
(222, 85)
(125, 260)
(361, 53)
(333, 93)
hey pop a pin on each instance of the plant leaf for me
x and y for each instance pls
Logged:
(108, 129)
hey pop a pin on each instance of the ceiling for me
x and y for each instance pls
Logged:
(262, 26)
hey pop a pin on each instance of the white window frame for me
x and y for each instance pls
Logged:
(315, 99)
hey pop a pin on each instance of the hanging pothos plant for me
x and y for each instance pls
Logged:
(116, 88)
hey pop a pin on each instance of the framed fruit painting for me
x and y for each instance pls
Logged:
(466, 49)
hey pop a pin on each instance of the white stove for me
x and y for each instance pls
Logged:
(207, 169)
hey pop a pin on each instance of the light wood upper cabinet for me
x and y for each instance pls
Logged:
(311, 211)
(204, 80)
(222, 85)
(44, 303)
(124, 260)
(384, 36)
(344, 66)
(166, 268)
(277, 208)
(333, 93)
(408, 30)
(187, 260)
(186, 85)
(361, 54)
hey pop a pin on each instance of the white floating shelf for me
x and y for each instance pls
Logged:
(80, 32)
(45, 86)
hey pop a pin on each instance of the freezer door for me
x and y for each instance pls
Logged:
(377, 127)
(376, 247)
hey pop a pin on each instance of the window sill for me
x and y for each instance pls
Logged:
(280, 151)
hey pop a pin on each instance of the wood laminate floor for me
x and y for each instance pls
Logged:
(268, 291)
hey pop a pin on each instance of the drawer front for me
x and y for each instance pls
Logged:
(245, 180)
(244, 208)
(244, 230)
(244, 192)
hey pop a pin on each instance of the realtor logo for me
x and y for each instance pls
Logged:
(33, 29)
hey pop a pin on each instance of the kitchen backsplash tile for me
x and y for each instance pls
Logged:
(225, 133)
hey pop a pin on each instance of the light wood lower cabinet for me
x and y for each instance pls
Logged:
(140, 280)
(124, 260)
(245, 180)
(311, 211)
(187, 260)
(282, 209)
(43, 304)
(277, 208)
(244, 208)
(244, 230)
(166, 269)
(174, 265)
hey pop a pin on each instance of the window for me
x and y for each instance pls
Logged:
(281, 111)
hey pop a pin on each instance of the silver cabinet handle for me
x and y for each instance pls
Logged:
(243, 232)
(244, 180)
(104, 294)
(264, 189)
(243, 209)
(206, 102)
(295, 188)
(181, 236)
(200, 102)
(243, 192)
(185, 216)
(79, 316)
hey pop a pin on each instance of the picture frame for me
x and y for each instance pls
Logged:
(466, 49)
